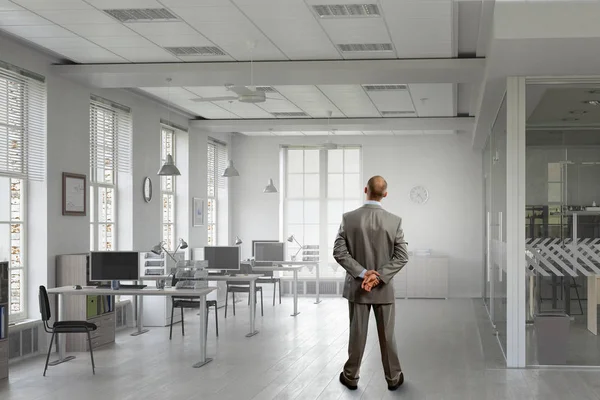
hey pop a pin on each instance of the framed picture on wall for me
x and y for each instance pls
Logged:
(197, 211)
(74, 194)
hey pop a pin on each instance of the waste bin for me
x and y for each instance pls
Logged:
(552, 337)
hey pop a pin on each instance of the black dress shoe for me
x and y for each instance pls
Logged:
(400, 382)
(345, 383)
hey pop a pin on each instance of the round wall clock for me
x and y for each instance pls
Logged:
(147, 189)
(419, 195)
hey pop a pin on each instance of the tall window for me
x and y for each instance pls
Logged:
(22, 159)
(216, 207)
(167, 188)
(320, 185)
(110, 148)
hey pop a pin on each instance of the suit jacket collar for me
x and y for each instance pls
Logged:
(372, 205)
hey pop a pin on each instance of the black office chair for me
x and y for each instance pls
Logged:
(63, 327)
(242, 287)
(268, 277)
(183, 302)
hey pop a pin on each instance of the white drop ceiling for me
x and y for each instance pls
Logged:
(261, 30)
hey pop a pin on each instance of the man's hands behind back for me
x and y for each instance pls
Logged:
(370, 280)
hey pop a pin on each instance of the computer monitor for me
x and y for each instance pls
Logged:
(114, 266)
(269, 251)
(261, 241)
(222, 257)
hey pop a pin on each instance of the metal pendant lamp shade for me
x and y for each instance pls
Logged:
(270, 188)
(230, 171)
(238, 241)
(169, 168)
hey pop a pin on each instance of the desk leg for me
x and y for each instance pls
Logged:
(252, 295)
(592, 303)
(140, 320)
(295, 293)
(203, 359)
(62, 340)
(318, 284)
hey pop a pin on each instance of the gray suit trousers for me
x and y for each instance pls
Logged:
(385, 315)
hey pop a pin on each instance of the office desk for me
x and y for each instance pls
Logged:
(251, 278)
(71, 291)
(289, 266)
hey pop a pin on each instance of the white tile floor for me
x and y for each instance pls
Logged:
(446, 348)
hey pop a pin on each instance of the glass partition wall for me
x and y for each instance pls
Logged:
(562, 223)
(495, 207)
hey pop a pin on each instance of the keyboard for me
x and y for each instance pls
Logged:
(132, 286)
(122, 286)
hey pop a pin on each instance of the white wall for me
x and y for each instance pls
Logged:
(68, 151)
(450, 224)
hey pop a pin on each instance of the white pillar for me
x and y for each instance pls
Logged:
(515, 223)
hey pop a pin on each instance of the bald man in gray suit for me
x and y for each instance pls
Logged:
(370, 246)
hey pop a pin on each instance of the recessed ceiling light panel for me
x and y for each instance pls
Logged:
(347, 10)
(381, 88)
(366, 47)
(142, 15)
(196, 51)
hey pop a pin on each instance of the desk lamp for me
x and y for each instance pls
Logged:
(160, 248)
(292, 239)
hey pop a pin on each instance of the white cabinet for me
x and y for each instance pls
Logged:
(423, 277)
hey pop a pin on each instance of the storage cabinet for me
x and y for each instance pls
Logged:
(73, 269)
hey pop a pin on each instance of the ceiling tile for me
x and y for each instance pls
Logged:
(210, 91)
(290, 133)
(6, 5)
(356, 30)
(20, 18)
(439, 132)
(351, 100)
(144, 54)
(100, 30)
(39, 31)
(195, 40)
(192, 3)
(243, 110)
(434, 100)
(278, 105)
(91, 55)
(315, 133)
(207, 110)
(392, 100)
(169, 93)
(64, 42)
(311, 100)
(63, 17)
(348, 133)
(162, 28)
(120, 4)
(123, 41)
(36, 5)
(292, 28)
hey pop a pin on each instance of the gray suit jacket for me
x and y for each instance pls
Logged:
(370, 238)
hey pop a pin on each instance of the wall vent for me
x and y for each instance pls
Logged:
(347, 10)
(266, 89)
(397, 113)
(196, 51)
(380, 88)
(142, 15)
(366, 47)
(293, 114)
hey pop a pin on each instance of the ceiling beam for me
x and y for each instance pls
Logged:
(272, 73)
(346, 124)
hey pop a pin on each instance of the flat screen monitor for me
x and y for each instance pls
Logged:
(222, 257)
(114, 265)
(269, 251)
(261, 241)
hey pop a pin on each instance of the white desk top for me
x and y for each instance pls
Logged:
(88, 290)
(284, 267)
(211, 277)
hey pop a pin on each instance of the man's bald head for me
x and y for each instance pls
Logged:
(376, 188)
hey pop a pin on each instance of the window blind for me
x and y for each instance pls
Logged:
(217, 163)
(22, 125)
(211, 173)
(110, 136)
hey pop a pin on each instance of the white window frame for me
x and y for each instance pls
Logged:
(219, 182)
(325, 242)
(120, 163)
(31, 163)
(169, 242)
